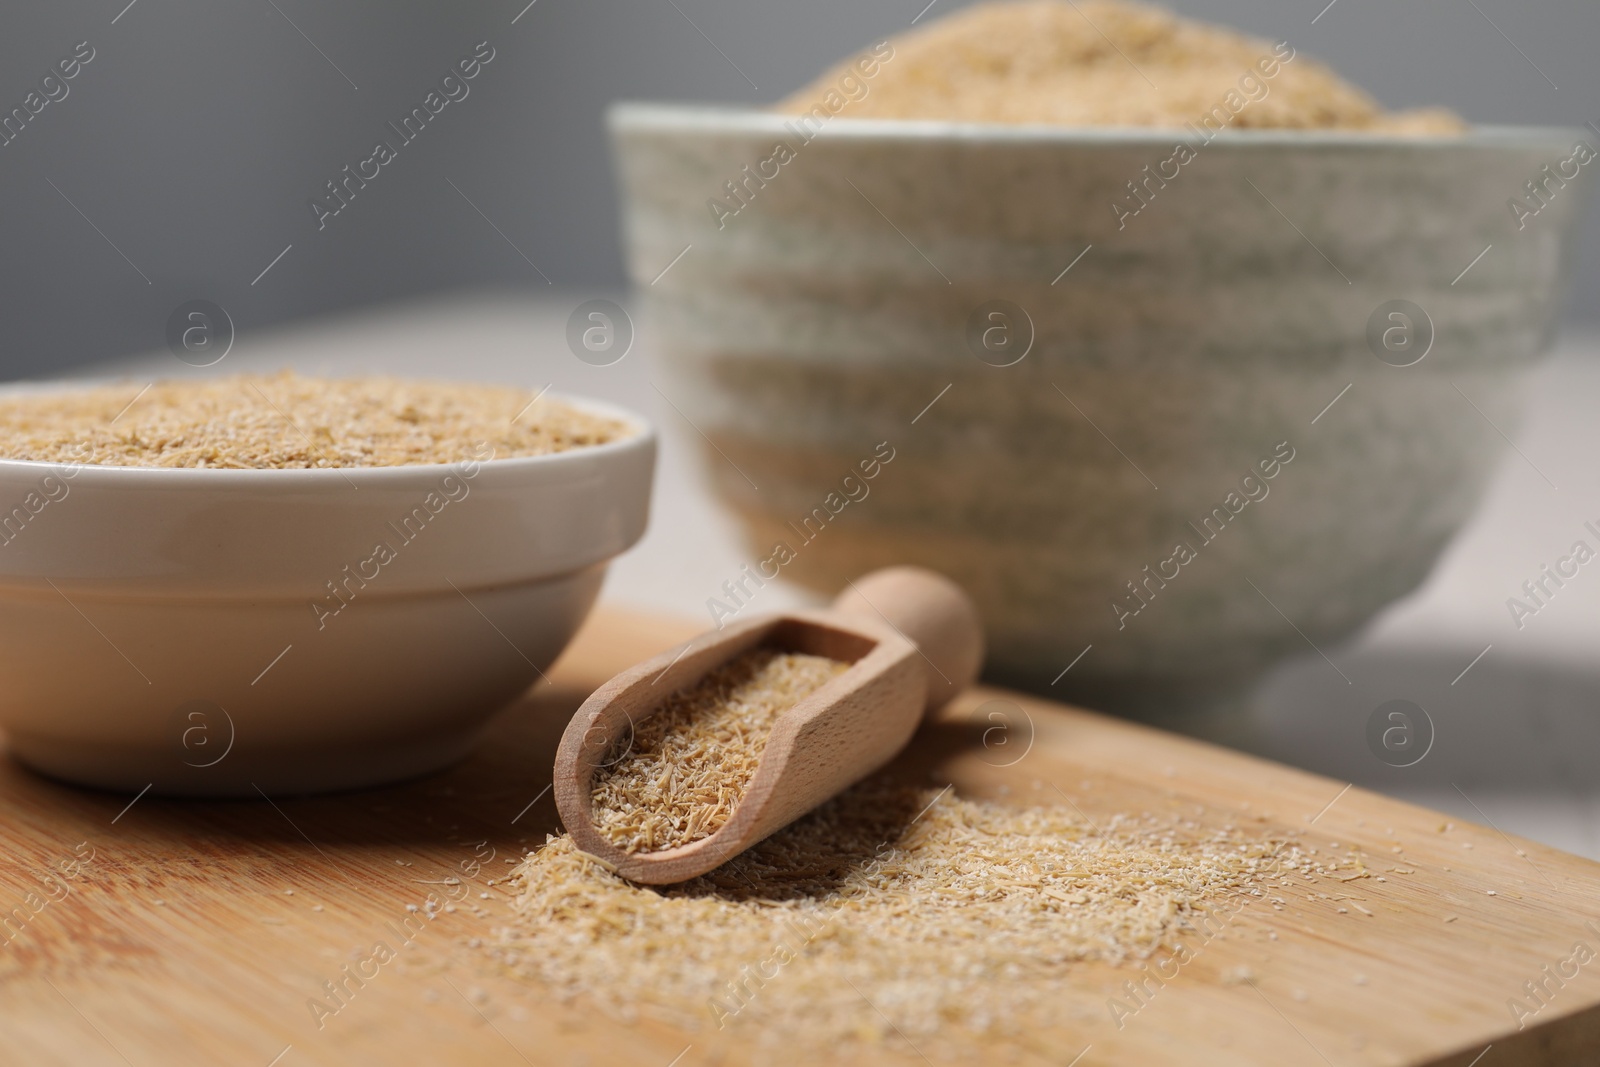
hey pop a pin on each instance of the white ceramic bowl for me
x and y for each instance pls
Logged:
(830, 307)
(176, 627)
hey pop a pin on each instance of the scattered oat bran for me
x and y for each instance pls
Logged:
(285, 420)
(960, 925)
(1105, 63)
(683, 770)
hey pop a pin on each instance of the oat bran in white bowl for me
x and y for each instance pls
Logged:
(363, 573)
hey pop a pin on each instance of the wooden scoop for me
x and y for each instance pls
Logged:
(913, 640)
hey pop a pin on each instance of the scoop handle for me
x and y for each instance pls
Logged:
(934, 613)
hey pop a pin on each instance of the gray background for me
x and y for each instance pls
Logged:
(195, 138)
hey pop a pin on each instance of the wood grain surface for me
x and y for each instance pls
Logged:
(179, 932)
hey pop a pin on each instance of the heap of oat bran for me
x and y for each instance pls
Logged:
(1107, 63)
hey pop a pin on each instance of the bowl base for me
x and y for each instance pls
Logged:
(1216, 708)
(273, 774)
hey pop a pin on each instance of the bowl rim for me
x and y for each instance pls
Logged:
(643, 435)
(634, 116)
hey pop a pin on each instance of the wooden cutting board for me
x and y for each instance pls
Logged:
(188, 932)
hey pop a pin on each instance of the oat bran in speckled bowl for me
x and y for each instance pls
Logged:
(1188, 275)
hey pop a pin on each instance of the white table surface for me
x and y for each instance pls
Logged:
(1517, 736)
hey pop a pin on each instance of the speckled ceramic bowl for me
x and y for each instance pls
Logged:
(1079, 343)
